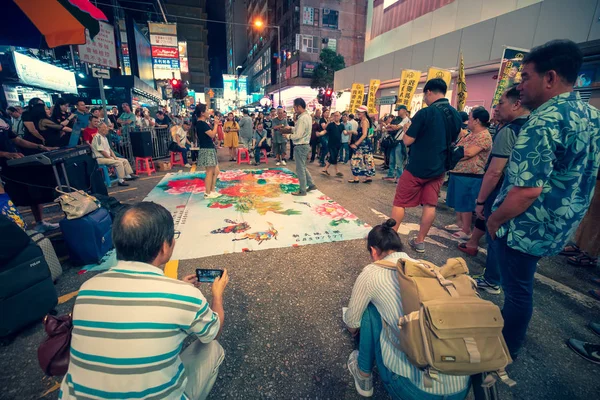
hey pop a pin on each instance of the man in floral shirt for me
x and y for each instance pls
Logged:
(551, 175)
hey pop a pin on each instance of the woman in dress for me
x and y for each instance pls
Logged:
(207, 154)
(362, 161)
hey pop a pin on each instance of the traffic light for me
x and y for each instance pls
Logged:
(179, 89)
(321, 97)
(327, 98)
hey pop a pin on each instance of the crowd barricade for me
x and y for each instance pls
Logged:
(161, 138)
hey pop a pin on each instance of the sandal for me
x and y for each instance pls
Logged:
(325, 173)
(460, 235)
(367, 181)
(353, 181)
(339, 174)
(468, 250)
(452, 228)
(571, 250)
(583, 260)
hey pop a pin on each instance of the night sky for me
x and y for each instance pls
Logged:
(217, 51)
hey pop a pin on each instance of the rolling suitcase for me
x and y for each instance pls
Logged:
(88, 238)
(27, 292)
(49, 254)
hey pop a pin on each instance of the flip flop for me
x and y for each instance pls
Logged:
(367, 181)
(353, 181)
(467, 250)
(339, 174)
(325, 173)
(460, 235)
(452, 228)
(583, 260)
(575, 250)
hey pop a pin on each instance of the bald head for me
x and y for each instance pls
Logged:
(144, 232)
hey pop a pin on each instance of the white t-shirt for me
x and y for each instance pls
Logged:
(400, 133)
(99, 144)
(179, 136)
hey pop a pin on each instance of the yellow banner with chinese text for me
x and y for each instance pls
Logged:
(444, 74)
(356, 97)
(373, 86)
(409, 79)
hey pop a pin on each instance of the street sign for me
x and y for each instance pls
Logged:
(100, 73)
(211, 94)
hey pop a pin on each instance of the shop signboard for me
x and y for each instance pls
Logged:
(356, 96)
(165, 63)
(243, 86)
(183, 58)
(409, 79)
(229, 87)
(162, 29)
(34, 72)
(510, 71)
(164, 52)
(102, 50)
(308, 69)
(295, 69)
(12, 96)
(373, 87)
(288, 72)
(163, 40)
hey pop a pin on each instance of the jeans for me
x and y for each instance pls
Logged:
(324, 150)
(313, 147)
(396, 162)
(304, 177)
(345, 152)
(369, 353)
(292, 150)
(492, 266)
(517, 270)
(184, 155)
(201, 362)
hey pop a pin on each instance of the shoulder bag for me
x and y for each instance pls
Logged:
(54, 352)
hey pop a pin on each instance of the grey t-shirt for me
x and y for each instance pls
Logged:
(246, 127)
(277, 136)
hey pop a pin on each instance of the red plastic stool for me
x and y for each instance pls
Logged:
(263, 156)
(176, 159)
(143, 165)
(242, 151)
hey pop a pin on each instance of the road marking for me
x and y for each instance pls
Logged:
(124, 190)
(66, 297)
(150, 177)
(581, 298)
(171, 269)
(54, 388)
(193, 169)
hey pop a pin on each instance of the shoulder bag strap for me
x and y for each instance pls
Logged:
(385, 264)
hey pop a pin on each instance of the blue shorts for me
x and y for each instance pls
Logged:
(463, 192)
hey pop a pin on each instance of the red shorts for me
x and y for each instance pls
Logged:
(412, 191)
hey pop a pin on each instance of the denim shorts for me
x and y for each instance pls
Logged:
(463, 192)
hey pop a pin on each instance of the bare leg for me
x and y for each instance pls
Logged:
(215, 177)
(210, 172)
(475, 238)
(398, 216)
(37, 211)
(466, 217)
(427, 219)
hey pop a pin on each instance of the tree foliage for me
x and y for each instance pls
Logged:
(330, 62)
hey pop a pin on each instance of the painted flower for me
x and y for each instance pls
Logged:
(232, 175)
(182, 186)
(325, 198)
(275, 176)
(333, 211)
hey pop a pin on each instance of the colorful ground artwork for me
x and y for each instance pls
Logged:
(256, 211)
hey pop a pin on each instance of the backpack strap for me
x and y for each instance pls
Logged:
(386, 264)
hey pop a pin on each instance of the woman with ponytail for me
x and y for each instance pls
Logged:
(375, 301)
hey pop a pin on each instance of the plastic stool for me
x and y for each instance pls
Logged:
(263, 156)
(176, 159)
(106, 174)
(144, 165)
(243, 151)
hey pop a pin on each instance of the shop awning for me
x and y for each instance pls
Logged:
(49, 23)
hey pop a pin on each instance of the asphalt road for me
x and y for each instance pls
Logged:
(283, 334)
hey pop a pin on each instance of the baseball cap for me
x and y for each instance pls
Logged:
(401, 107)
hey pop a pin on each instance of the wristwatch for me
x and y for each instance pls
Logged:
(479, 203)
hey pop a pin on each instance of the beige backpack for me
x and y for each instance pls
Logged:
(447, 328)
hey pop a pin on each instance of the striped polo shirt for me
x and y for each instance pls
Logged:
(380, 286)
(129, 325)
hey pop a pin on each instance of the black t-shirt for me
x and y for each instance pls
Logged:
(204, 141)
(334, 134)
(6, 137)
(165, 121)
(26, 117)
(427, 154)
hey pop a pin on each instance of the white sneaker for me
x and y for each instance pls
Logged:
(44, 226)
(212, 195)
(188, 165)
(278, 163)
(364, 385)
(283, 162)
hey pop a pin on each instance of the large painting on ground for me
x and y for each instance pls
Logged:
(255, 212)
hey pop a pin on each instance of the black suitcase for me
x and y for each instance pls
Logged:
(27, 292)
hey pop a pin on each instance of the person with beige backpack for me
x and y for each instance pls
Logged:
(423, 326)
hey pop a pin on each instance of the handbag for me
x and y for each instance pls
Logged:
(76, 204)
(55, 351)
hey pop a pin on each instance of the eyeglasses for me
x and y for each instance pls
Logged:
(177, 234)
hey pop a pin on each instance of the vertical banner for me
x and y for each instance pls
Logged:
(444, 74)
(356, 96)
(373, 86)
(510, 71)
(461, 84)
(408, 86)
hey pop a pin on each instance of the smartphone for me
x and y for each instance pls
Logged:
(208, 275)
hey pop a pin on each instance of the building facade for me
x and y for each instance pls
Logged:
(305, 28)
(235, 13)
(419, 34)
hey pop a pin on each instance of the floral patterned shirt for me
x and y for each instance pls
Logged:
(558, 149)
(475, 165)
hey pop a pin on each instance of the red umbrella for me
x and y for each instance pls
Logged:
(58, 22)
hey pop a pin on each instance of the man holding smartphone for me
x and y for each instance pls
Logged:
(130, 322)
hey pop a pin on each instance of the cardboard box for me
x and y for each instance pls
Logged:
(163, 165)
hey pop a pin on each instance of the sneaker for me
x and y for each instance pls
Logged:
(131, 177)
(594, 327)
(418, 247)
(188, 165)
(44, 226)
(278, 163)
(212, 195)
(364, 385)
(311, 188)
(483, 284)
(122, 183)
(283, 162)
(589, 351)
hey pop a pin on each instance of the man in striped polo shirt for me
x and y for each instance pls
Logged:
(130, 322)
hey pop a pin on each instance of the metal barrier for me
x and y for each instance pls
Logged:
(161, 138)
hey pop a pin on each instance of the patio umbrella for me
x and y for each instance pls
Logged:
(48, 23)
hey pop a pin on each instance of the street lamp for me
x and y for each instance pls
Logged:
(260, 24)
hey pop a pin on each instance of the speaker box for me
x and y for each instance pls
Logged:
(141, 143)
